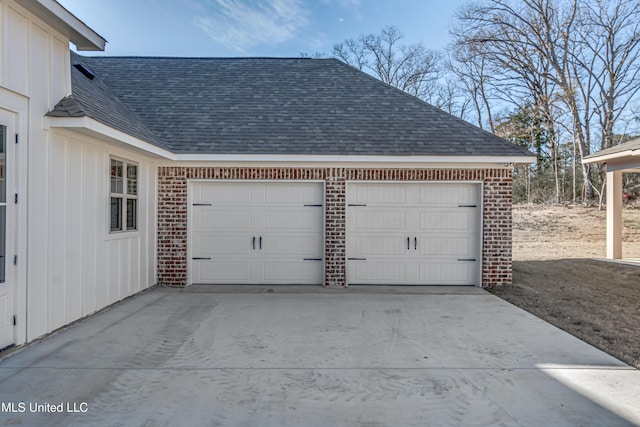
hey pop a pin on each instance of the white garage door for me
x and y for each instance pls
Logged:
(413, 233)
(256, 233)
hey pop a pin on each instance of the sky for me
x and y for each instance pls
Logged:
(267, 28)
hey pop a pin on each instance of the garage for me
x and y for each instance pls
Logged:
(414, 233)
(256, 232)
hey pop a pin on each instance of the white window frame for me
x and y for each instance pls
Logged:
(124, 196)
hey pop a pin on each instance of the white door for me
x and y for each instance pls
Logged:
(7, 228)
(413, 233)
(256, 233)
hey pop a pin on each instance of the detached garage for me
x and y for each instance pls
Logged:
(128, 172)
(303, 171)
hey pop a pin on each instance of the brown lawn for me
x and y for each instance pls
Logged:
(557, 277)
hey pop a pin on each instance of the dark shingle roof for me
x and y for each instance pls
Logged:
(269, 106)
(93, 98)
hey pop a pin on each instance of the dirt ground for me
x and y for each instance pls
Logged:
(557, 276)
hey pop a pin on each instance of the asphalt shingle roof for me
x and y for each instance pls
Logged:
(267, 106)
(632, 145)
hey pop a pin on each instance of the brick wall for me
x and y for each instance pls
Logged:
(172, 212)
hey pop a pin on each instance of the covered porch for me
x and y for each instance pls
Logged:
(623, 158)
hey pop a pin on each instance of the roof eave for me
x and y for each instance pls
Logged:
(323, 158)
(595, 158)
(54, 14)
(88, 126)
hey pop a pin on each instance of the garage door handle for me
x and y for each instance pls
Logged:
(201, 204)
(254, 243)
(408, 243)
(312, 259)
(260, 242)
(356, 259)
(415, 243)
(467, 206)
(197, 257)
(466, 259)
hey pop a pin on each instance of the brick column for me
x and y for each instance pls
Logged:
(172, 226)
(496, 228)
(335, 227)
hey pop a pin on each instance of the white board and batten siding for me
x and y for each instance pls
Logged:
(414, 233)
(256, 232)
(83, 267)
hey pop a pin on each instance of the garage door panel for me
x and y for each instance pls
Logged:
(293, 219)
(459, 220)
(222, 245)
(209, 219)
(379, 245)
(370, 271)
(447, 246)
(294, 245)
(377, 195)
(379, 219)
(223, 195)
(293, 272)
(222, 271)
(451, 195)
(441, 220)
(293, 194)
(226, 217)
(447, 273)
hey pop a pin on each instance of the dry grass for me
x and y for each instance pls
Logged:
(556, 278)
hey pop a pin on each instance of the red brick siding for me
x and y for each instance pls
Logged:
(172, 212)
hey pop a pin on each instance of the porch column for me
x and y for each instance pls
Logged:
(614, 214)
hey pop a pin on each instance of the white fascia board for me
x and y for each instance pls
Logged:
(59, 18)
(93, 128)
(295, 158)
(612, 156)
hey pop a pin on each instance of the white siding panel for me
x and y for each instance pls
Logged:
(2, 48)
(74, 228)
(86, 267)
(57, 233)
(115, 275)
(58, 70)
(90, 225)
(16, 52)
(103, 271)
(39, 58)
(38, 247)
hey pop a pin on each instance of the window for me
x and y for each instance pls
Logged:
(124, 196)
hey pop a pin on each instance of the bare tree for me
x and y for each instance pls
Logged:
(470, 67)
(533, 40)
(411, 68)
(608, 52)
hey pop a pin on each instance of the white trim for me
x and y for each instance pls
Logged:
(17, 104)
(503, 161)
(66, 23)
(88, 126)
(91, 127)
(619, 155)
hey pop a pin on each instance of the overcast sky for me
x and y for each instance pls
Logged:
(281, 28)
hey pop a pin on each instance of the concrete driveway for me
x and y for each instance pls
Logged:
(306, 356)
